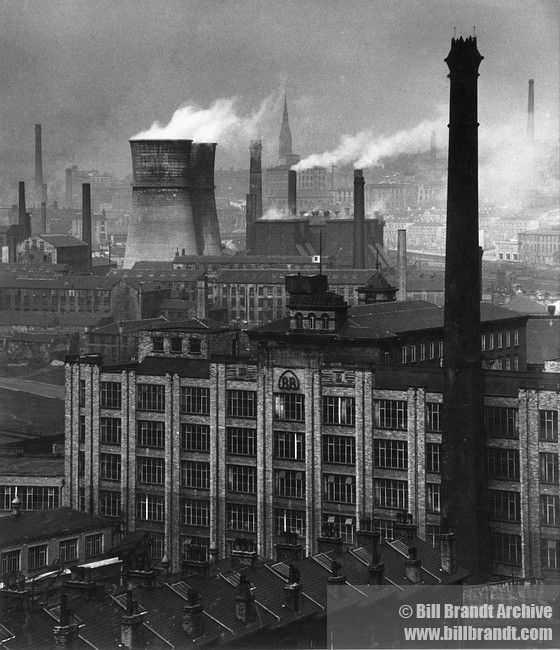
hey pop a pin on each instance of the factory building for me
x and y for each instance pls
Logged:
(540, 247)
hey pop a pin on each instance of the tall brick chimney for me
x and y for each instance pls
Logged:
(43, 227)
(86, 216)
(24, 219)
(69, 195)
(38, 164)
(254, 198)
(292, 192)
(359, 260)
(401, 264)
(531, 111)
(463, 448)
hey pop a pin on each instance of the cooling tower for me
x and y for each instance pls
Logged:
(201, 165)
(173, 204)
(162, 219)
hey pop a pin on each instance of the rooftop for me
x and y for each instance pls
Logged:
(61, 240)
(31, 466)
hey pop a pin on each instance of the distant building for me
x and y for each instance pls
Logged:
(55, 249)
(38, 482)
(540, 247)
(507, 250)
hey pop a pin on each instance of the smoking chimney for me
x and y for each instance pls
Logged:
(24, 218)
(463, 448)
(292, 192)
(173, 204)
(359, 261)
(38, 164)
(531, 111)
(254, 198)
(86, 216)
(401, 264)
(69, 196)
(43, 229)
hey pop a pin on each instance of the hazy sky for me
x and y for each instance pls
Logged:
(96, 72)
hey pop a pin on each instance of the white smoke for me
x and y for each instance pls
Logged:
(274, 213)
(222, 122)
(365, 149)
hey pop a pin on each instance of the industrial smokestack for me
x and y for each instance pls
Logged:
(38, 164)
(43, 227)
(359, 261)
(531, 111)
(292, 192)
(86, 216)
(24, 219)
(69, 196)
(463, 446)
(162, 218)
(255, 176)
(401, 264)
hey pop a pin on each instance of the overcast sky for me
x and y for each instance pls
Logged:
(96, 72)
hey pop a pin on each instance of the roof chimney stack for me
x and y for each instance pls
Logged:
(193, 616)
(86, 216)
(132, 625)
(531, 111)
(413, 566)
(293, 590)
(359, 261)
(43, 229)
(245, 608)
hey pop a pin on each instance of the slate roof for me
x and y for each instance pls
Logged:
(127, 326)
(42, 524)
(62, 240)
(188, 325)
(51, 319)
(525, 305)
(175, 365)
(36, 632)
(105, 282)
(31, 466)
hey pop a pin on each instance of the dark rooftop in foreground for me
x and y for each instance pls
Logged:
(31, 466)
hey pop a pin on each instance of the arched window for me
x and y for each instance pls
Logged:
(312, 318)
(326, 321)
(299, 320)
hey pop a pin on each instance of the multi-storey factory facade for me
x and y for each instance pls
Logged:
(212, 453)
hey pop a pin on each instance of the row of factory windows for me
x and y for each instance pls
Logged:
(38, 555)
(176, 344)
(30, 497)
(505, 548)
(499, 421)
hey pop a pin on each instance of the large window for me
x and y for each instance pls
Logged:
(434, 413)
(550, 553)
(548, 426)
(195, 474)
(390, 493)
(500, 421)
(289, 406)
(195, 400)
(289, 445)
(110, 429)
(289, 483)
(110, 395)
(433, 532)
(504, 505)
(94, 545)
(110, 467)
(195, 513)
(241, 478)
(151, 433)
(151, 397)
(82, 393)
(241, 403)
(109, 503)
(31, 497)
(193, 549)
(390, 414)
(548, 468)
(287, 520)
(505, 548)
(150, 470)
(433, 497)
(10, 561)
(150, 507)
(550, 513)
(338, 410)
(339, 488)
(390, 454)
(339, 449)
(68, 550)
(241, 441)
(37, 557)
(343, 525)
(195, 437)
(433, 457)
(241, 517)
(503, 463)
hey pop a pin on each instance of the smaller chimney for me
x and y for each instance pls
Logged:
(132, 625)
(86, 216)
(447, 549)
(551, 310)
(404, 527)
(43, 218)
(288, 549)
(337, 577)
(292, 192)
(413, 566)
(531, 111)
(359, 261)
(65, 633)
(330, 540)
(401, 264)
(23, 217)
(69, 196)
(293, 590)
(193, 616)
(245, 608)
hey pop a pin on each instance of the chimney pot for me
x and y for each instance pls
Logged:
(413, 566)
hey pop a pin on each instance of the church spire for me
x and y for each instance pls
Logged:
(285, 140)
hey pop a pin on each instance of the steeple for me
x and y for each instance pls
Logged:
(285, 140)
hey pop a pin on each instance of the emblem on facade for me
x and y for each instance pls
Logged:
(288, 381)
